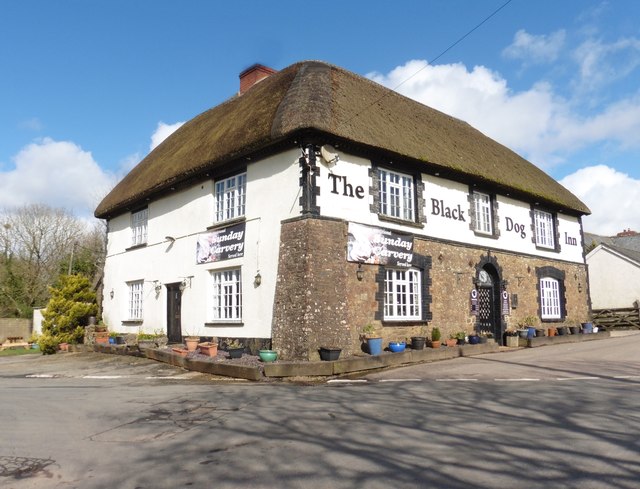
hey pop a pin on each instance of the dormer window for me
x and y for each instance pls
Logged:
(396, 195)
(230, 197)
(482, 205)
(544, 228)
(139, 221)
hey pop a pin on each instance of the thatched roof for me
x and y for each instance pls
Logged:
(315, 97)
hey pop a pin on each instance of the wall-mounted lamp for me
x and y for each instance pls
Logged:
(111, 294)
(257, 280)
(157, 286)
(360, 272)
(186, 283)
(170, 238)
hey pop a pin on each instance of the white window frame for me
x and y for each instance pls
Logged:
(544, 229)
(402, 294)
(226, 295)
(550, 298)
(397, 195)
(136, 300)
(230, 196)
(483, 221)
(139, 226)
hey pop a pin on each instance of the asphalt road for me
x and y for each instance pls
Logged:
(558, 416)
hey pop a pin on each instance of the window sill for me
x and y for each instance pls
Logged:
(546, 248)
(395, 220)
(224, 224)
(132, 321)
(404, 322)
(224, 323)
(480, 234)
(135, 247)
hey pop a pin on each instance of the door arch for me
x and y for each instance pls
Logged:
(489, 305)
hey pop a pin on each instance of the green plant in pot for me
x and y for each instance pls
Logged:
(373, 339)
(460, 337)
(436, 336)
(235, 348)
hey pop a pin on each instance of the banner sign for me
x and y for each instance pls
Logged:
(221, 244)
(505, 303)
(378, 246)
(474, 302)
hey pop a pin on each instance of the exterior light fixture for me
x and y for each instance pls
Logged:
(360, 272)
(157, 286)
(111, 294)
(257, 280)
(186, 283)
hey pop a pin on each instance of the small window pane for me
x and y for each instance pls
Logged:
(230, 197)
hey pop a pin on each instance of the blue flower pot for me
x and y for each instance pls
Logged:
(375, 346)
(397, 346)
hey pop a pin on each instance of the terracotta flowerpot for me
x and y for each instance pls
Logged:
(552, 331)
(451, 342)
(192, 342)
(436, 343)
(180, 351)
(208, 348)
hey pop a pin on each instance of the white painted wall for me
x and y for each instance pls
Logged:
(272, 196)
(342, 185)
(614, 280)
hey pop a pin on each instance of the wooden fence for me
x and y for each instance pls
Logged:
(623, 318)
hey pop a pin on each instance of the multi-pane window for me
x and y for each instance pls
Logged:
(550, 298)
(230, 197)
(482, 204)
(226, 295)
(139, 226)
(396, 195)
(544, 229)
(402, 294)
(135, 300)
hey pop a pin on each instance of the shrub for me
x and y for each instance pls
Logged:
(435, 334)
(48, 344)
(72, 303)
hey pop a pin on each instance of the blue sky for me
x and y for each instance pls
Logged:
(87, 87)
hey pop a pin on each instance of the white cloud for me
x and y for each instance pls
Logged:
(534, 49)
(33, 124)
(537, 123)
(611, 195)
(162, 132)
(602, 63)
(56, 173)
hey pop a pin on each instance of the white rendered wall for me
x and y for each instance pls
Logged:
(614, 280)
(344, 193)
(272, 196)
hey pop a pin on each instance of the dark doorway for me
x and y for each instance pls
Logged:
(174, 308)
(489, 317)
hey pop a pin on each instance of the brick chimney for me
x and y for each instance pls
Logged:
(253, 75)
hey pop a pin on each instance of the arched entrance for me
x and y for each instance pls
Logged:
(489, 305)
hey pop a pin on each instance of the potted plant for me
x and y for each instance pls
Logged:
(552, 331)
(235, 349)
(268, 355)
(562, 330)
(435, 338)
(452, 340)
(418, 342)
(397, 346)
(374, 341)
(484, 336)
(460, 337)
(329, 353)
(528, 327)
(191, 341)
(209, 348)
(474, 338)
(511, 337)
(146, 340)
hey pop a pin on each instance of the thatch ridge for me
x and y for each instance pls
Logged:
(316, 96)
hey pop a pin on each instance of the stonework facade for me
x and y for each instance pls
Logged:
(320, 301)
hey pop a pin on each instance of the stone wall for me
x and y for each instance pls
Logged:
(310, 304)
(319, 300)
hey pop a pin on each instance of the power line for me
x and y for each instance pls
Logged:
(449, 48)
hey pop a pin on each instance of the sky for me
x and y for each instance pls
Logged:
(89, 87)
